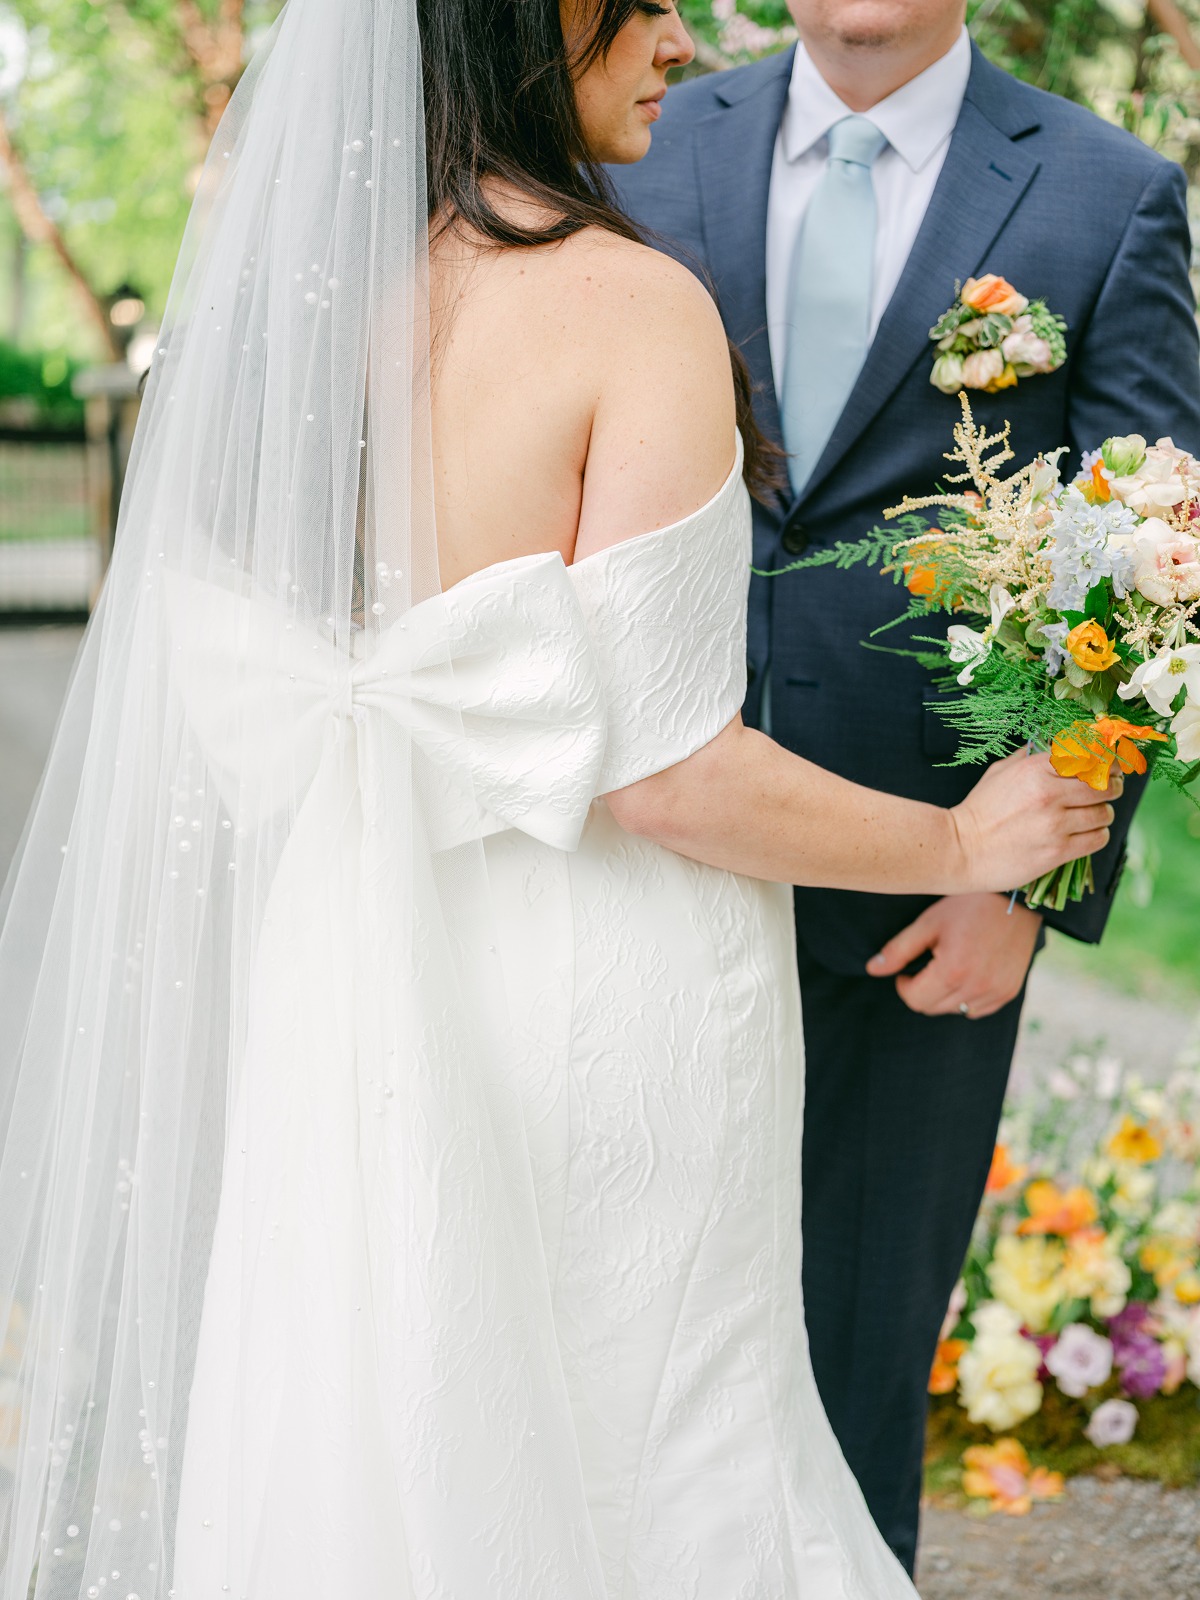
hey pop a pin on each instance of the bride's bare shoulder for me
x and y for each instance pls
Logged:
(631, 296)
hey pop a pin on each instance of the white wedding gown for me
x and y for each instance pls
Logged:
(656, 1066)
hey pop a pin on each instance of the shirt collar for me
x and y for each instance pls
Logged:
(916, 120)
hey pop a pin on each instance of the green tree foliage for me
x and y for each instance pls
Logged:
(110, 103)
(111, 115)
(1121, 58)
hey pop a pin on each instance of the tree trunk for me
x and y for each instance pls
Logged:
(215, 49)
(39, 228)
(1170, 19)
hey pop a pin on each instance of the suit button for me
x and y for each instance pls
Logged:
(795, 540)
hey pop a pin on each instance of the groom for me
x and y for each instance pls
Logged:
(836, 195)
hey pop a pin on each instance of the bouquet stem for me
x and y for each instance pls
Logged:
(1054, 889)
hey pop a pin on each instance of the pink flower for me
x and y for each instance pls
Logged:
(1082, 1359)
(1168, 563)
(982, 367)
(1025, 350)
(1112, 1422)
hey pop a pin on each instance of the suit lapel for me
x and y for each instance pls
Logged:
(735, 152)
(983, 180)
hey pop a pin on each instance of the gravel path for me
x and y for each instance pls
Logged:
(1117, 1540)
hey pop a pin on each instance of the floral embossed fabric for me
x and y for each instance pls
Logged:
(523, 1321)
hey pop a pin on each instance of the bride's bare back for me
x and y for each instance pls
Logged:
(582, 394)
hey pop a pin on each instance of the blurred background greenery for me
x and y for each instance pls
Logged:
(106, 108)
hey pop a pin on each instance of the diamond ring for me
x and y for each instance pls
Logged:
(964, 1009)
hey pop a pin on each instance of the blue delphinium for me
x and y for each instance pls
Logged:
(1082, 556)
(1055, 635)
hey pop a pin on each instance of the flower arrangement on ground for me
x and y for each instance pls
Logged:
(1091, 593)
(1082, 1284)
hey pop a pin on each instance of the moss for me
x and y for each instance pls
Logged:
(1166, 1447)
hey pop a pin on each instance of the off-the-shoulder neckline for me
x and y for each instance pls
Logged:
(734, 477)
(610, 551)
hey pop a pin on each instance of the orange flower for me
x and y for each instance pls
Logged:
(1091, 648)
(921, 576)
(1119, 735)
(999, 1473)
(1100, 492)
(1133, 1141)
(1078, 754)
(1055, 1210)
(1087, 752)
(1004, 1171)
(944, 1375)
(993, 293)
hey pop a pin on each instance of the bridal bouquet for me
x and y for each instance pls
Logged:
(1088, 600)
(1079, 1306)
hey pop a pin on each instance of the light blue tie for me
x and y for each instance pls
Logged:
(829, 295)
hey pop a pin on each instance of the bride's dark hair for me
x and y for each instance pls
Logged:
(500, 105)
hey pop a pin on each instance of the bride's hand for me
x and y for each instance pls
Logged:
(1022, 820)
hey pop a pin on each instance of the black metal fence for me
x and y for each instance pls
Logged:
(43, 486)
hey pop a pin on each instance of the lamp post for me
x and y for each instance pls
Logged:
(111, 396)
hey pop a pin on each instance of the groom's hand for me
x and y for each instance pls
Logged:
(979, 950)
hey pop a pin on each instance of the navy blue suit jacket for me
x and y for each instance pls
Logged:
(1070, 210)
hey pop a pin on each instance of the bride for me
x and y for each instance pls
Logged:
(399, 1021)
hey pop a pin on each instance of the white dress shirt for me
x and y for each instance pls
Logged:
(917, 122)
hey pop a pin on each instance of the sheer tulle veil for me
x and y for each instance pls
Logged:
(238, 910)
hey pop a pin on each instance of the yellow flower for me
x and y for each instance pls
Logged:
(997, 1372)
(1005, 379)
(1024, 1275)
(1000, 1474)
(1187, 1289)
(1091, 648)
(1133, 1141)
(1093, 1270)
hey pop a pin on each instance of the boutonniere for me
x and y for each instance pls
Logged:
(991, 336)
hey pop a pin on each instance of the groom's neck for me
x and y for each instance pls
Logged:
(867, 49)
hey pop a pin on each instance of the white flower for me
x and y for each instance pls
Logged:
(1168, 563)
(1186, 728)
(947, 374)
(1002, 604)
(1158, 484)
(1082, 1359)
(1062, 1085)
(1123, 454)
(1045, 479)
(1160, 679)
(997, 1374)
(982, 367)
(1112, 1422)
(1088, 547)
(967, 649)
(1180, 1218)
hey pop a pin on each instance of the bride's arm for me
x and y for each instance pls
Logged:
(746, 804)
(659, 448)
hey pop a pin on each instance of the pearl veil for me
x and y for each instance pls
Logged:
(271, 1325)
